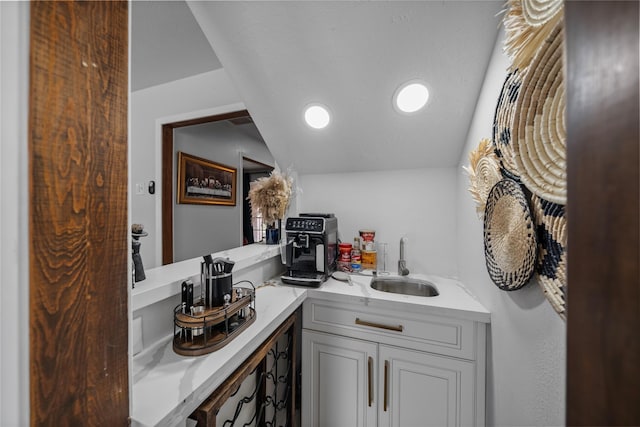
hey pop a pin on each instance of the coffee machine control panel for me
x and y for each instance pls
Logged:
(312, 225)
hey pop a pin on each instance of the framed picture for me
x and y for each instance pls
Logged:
(203, 182)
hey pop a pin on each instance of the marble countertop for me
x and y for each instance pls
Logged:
(167, 387)
(454, 299)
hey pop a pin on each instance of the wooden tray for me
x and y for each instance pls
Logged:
(195, 335)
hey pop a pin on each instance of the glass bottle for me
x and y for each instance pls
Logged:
(356, 256)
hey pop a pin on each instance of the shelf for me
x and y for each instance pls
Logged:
(165, 281)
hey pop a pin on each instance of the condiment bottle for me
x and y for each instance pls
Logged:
(356, 256)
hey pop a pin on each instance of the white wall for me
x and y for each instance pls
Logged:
(14, 223)
(417, 203)
(527, 339)
(204, 229)
(191, 97)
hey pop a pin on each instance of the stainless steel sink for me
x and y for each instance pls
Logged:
(405, 286)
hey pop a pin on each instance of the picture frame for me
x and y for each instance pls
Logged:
(205, 182)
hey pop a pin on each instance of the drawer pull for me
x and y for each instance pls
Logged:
(386, 385)
(370, 380)
(398, 328)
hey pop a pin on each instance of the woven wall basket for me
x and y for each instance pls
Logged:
(527, 25)
(539, 135)
(484, 173)
(510, 244)
(551, 266)
(503, 124)
(539, 12)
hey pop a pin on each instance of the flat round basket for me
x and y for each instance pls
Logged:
(503, 124)
(539, 12)
(510, 244)
(527, 25)
(539, 135)
(551, 266)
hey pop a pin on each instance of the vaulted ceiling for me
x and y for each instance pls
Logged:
(352, 56)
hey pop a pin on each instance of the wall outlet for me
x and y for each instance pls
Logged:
(140, 188)
(136, 335)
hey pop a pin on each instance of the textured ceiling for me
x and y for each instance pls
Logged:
(352, 56)
(166, 44)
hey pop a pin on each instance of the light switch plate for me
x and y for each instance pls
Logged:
(136, 335)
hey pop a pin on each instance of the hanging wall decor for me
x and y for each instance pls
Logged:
(551, 267)
(526, 234)
(510, 243)
(528, 23)
(539, 135)
(503, 124)
(534, 40)
(205, 182)
(484, 173)
(539, 12)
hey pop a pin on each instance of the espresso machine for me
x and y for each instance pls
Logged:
(311, 250)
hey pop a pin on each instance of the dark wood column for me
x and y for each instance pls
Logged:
(78, 213)
(603, 323)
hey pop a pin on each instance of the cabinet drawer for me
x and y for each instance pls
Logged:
(436, 334)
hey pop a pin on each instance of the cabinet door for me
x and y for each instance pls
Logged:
(338, 381)
(424, 390)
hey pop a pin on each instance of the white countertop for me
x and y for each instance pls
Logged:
(167, 387)
(454, 299)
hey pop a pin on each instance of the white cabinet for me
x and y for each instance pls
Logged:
(337, 381)
(370, 367)
(424, 390)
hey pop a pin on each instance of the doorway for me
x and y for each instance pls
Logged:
(253, 228)
(188, 230)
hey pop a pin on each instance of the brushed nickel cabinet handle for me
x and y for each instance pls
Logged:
(360, 322)
(370, 380)
(386, 385)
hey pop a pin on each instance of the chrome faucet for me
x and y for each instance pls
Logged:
(402, 263)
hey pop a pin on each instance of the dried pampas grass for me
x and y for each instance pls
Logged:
(527, 24)
(484, 173)
(270, 195)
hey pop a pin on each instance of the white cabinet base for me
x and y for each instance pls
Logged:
(335, 388)
(428, 371)
(425, 390)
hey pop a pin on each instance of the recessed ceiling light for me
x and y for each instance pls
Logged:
(411, 96)
(317, 116)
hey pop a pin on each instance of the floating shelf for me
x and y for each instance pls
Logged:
(215, 327)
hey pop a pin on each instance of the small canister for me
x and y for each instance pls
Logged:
(345, 252)
(367, 236)
(221, 285)
(215, 284)
(344, 257)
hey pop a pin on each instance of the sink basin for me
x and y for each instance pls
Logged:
(405, 286)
